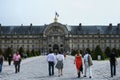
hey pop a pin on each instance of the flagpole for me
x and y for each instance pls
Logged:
(56, 15)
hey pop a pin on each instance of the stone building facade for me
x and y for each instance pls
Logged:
(57, 36)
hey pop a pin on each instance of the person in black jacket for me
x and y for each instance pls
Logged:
(113, 64)
(9, 59)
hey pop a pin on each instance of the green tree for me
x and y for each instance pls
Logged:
(82, 52)
(37, 53)
(108, 51)
(98, 51)
(7, 52)
(21, 51)
(93, 54)
(1, 51)
(116, 52)
(114, 49)
(28, 53)
(73, 53)
(33, 52)
(87, 49)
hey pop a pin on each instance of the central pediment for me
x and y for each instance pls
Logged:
(56, 29)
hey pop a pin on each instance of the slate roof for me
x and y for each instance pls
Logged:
(74, 30)
(22, 29)
(95, 30)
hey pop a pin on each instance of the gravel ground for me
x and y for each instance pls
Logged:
(36, 68)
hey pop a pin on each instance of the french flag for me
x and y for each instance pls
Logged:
(56, 14)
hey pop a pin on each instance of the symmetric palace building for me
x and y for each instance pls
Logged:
(57, 36)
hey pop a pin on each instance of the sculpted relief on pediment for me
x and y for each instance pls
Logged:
(55, 31)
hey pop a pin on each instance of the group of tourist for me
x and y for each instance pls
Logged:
(87, 62)
(59, 58)
(16, 61)
(51, 58)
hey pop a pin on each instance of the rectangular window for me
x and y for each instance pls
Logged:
(22, 41)
(49, 39)
(17, 46)
(11, 46)
(61, 39)
(33, 46)
(27, 46)
(55, 39)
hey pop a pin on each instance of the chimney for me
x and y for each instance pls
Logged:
(0, 27)
(30, 24)
(30, 27)
(80, 27)
(118, 24)
(80, 24)
(21, 24)
(110, 24)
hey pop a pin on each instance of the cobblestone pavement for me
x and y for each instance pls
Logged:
(36, 68)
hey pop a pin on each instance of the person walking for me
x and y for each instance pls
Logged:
(65, 55)
(17, 61)
(113, 61)
(78, 62)
(87, 63)
(9, 59)
(51, 61)
(1, 61)
(59, 65)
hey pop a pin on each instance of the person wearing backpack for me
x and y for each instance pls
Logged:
(88, 63)
(1, 61)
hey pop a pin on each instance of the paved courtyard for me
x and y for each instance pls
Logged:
(36, 68)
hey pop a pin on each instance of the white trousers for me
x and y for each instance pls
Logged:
(87, 69)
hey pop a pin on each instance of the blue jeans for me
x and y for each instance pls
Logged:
(51, 68)
(113, 68)
(0, 67)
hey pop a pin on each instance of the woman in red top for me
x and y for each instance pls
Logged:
(78, 62)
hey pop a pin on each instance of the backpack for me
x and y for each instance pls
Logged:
(90, 60)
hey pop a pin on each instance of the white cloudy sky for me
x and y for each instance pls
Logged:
(71, 12)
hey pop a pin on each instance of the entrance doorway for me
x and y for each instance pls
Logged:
(55, 48)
